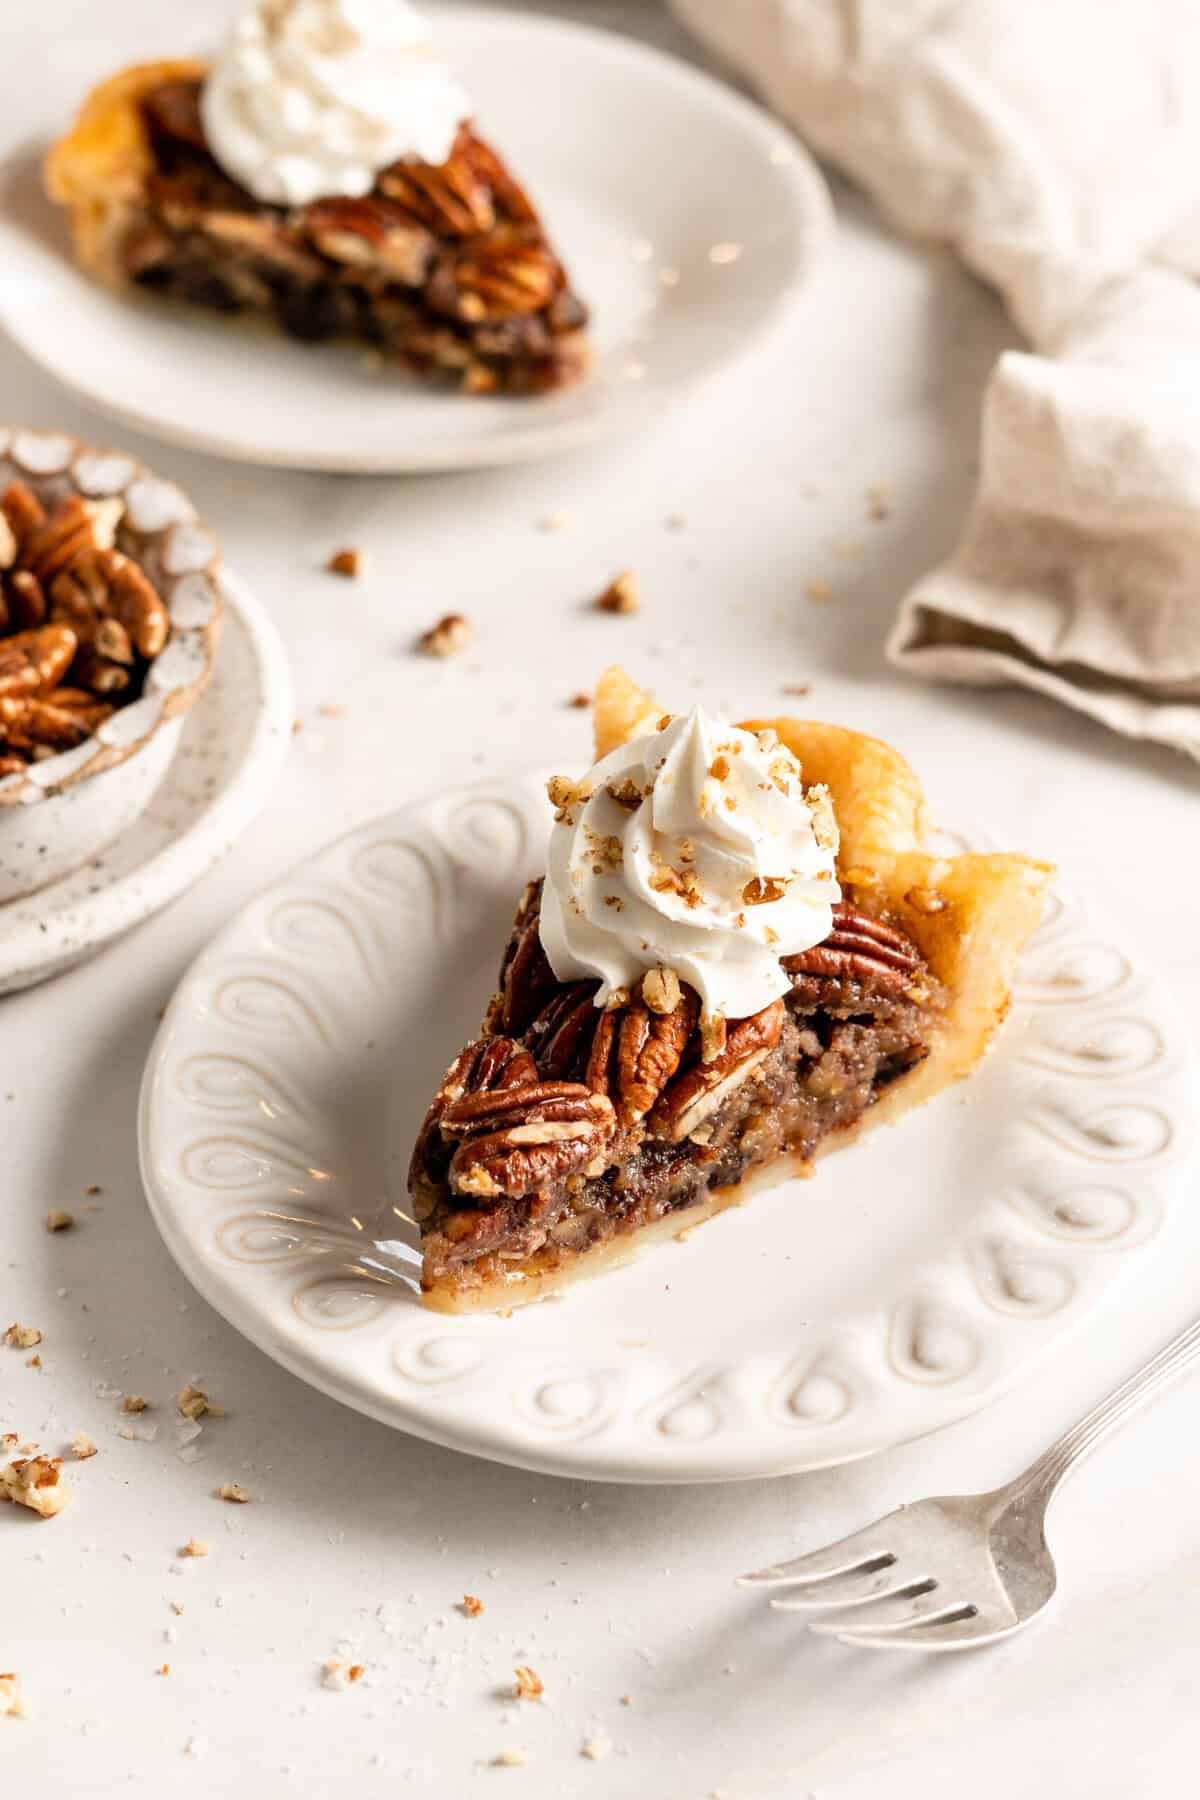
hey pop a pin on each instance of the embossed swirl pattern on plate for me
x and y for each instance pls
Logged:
(1093, 1114)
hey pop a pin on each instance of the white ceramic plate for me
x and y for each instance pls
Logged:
(917, 1273)
(648, 174)
(233, 744)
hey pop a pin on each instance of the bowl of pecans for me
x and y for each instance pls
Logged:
(110, 607)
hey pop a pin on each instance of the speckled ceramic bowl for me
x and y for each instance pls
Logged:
(58, 813)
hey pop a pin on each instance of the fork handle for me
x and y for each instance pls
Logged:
(1056, 1463)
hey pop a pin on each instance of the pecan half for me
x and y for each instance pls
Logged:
(370, 233)
(33, 660)
(526, 1138)
(30, 723)
(863, 948)
(493, 281)
(705, 1087)
(527, 982)
(488, 1064)
(635, 1053)
(452, 199)
(561, 1035)
(136, 604)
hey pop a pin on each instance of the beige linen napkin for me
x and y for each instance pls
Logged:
(1056, 145)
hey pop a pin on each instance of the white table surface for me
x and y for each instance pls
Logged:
(362, 1536)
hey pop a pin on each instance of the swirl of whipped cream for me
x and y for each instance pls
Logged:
(696, 848)
(315, 97)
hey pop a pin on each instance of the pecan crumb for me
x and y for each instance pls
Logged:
(450, 635)
(82, 1446)
(470, 1606)
(621, 595)
(356, 1671)
(527, 1686)
(234, 1492)
(135, 1403)
(193, 1404)
(22, 1337)
(818, 591)
(661, 990)
(580, 701)
(163, 1669)
(59, 1221)
(195, 1547)
(12, 1706)
(93, 1188)
(35, 1482)
(798, 688)
(510, 1759)
(346, 562)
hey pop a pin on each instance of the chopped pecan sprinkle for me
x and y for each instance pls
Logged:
(135, 1403)
(763, 890)
(234, 1492)
(450, 635)
(621, 595)
(22, 1337)
(580, 702)
(661, 990)
(82, 1446)
(56, 1220)
(195, 1547)
(626, 793)
(527, 1686)
(346, 562)
(470, 1606)
(565, 795)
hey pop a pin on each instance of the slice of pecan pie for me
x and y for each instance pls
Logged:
(569, 1134)
(444, 268)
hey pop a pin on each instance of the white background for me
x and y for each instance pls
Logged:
(360, 1534)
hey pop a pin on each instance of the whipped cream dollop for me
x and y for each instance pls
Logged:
(315, 97)
(696, 848)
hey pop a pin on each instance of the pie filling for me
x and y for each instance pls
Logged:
(443, 268)
(566, 1129)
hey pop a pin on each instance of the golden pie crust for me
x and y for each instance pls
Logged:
(97, 171)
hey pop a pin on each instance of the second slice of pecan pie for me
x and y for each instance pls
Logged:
(444, 268)
(566, 1135)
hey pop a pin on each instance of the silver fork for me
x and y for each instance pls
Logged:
(965, 1569)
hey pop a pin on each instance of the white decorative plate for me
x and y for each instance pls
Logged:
(687, 217)
(917, 1272)
(232, 748)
